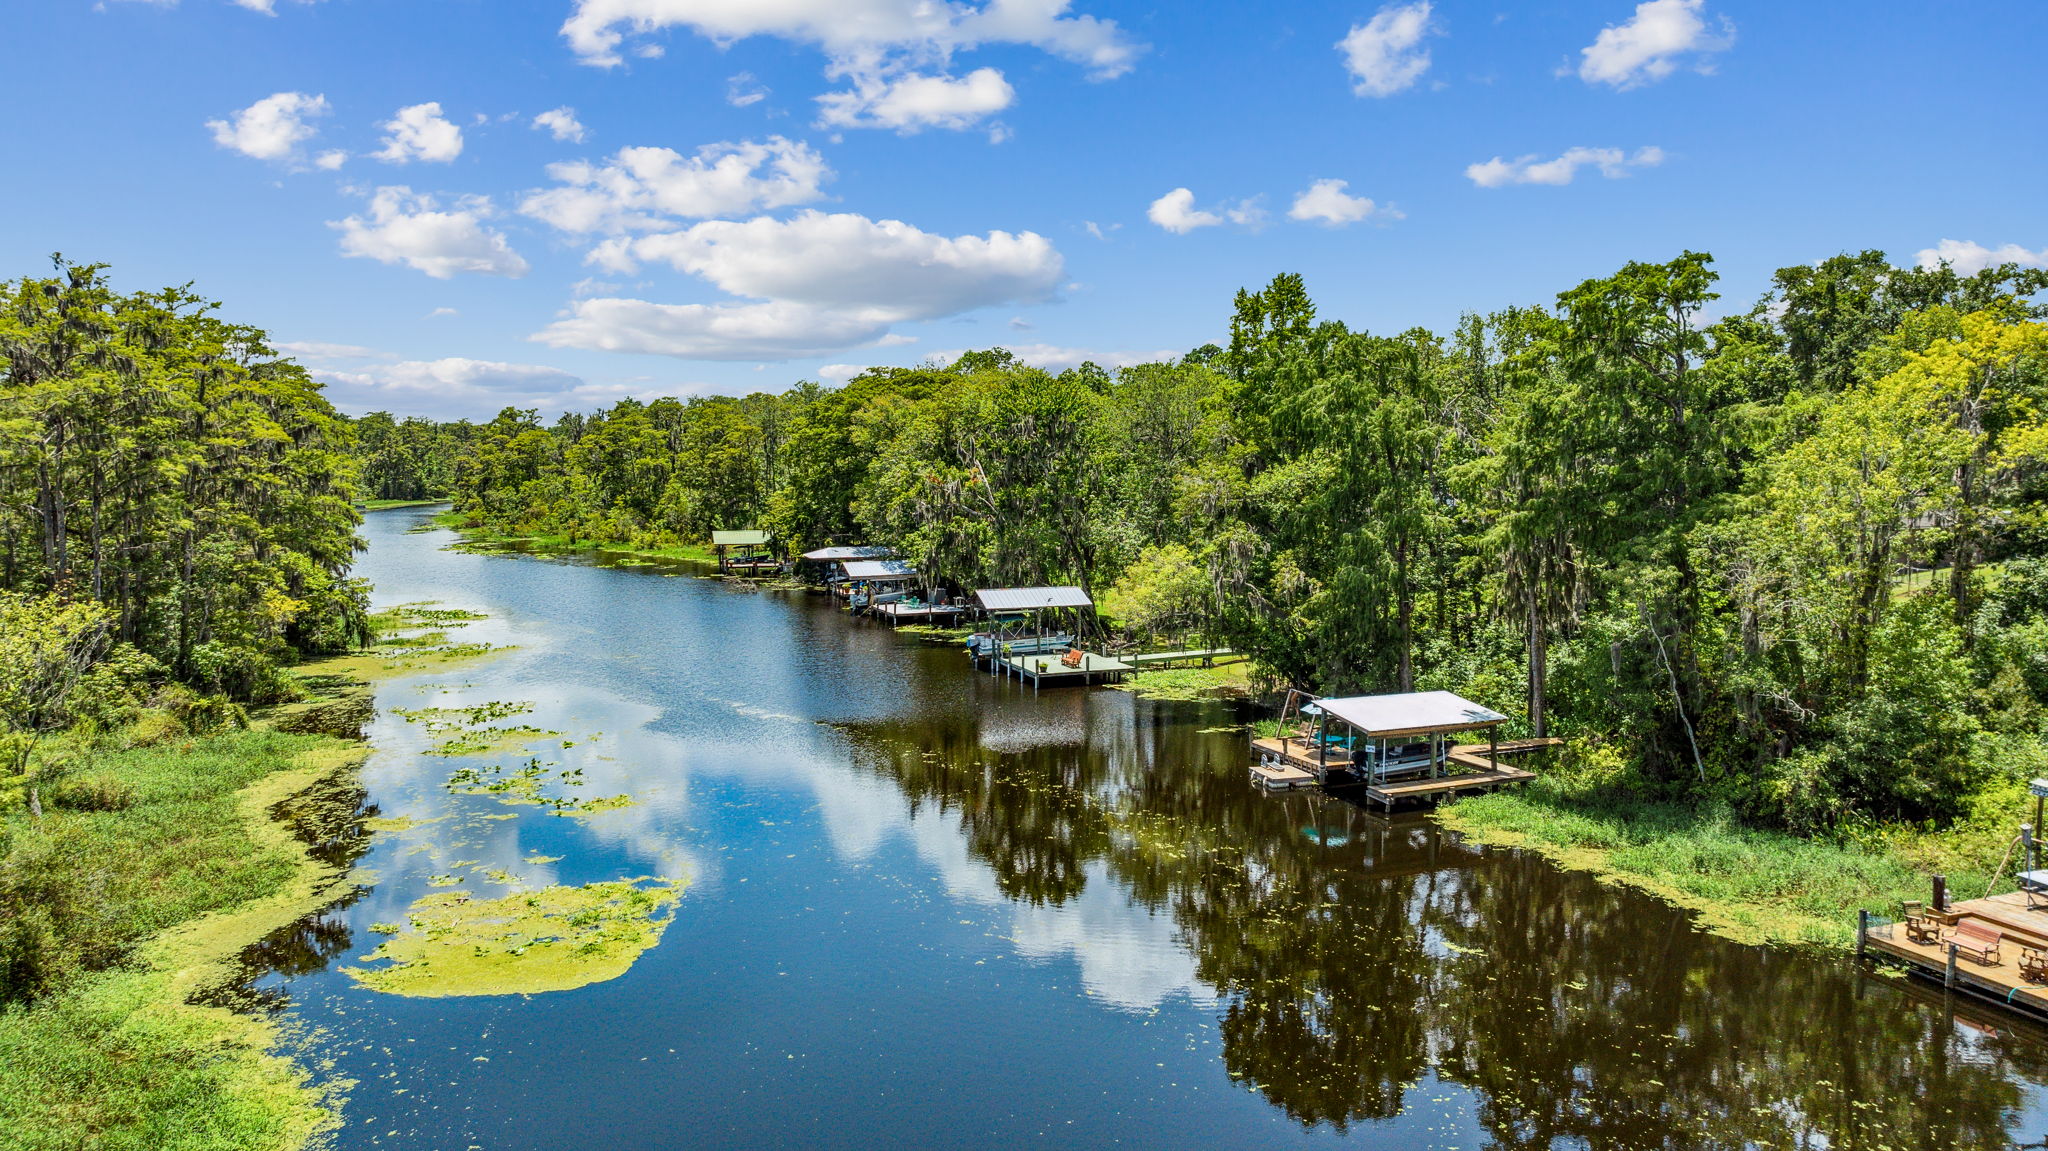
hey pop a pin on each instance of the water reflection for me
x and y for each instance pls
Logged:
(1359, 960)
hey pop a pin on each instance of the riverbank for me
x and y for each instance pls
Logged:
(1744, 883)
(388, 505)
(1223, 681)
(486, 539)
(150, 873)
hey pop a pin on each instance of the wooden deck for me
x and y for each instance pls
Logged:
(2007, 914)
(1046, 669)
(1281, 777)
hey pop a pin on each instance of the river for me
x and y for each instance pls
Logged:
(927, 908)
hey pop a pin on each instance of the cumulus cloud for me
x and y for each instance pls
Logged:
(743, 90)
(853, 32)
(1652, 44)
(562, 124)
(1176, 212)
(450, 387)
(406, 228)
(852, 263)
(1326, 202)
(420, 132)
(765, 331)
(810, 285)
(1385, 54)
(644, 188)
(913, 101)
(272, 128)
(1968, 257)
(1612, 163)
(894, 53)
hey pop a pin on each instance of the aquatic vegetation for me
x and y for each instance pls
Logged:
(1228, 681)
(527, 943)
(532, 784)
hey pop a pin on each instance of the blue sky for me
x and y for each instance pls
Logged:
(739, 194)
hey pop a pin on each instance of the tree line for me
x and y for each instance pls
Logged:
(1618, 516)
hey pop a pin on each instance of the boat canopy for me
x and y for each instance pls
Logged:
(1410, 713)
(746, 539)
(880, 570)
(1031, 598)
(845, 553)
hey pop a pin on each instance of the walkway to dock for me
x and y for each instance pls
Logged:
(2008, 915)
(1205, 657)
(1048, 669)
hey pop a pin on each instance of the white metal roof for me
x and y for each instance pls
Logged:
(880, 569)
(739, 539)
(1415, 711)
(1031, 598)
(844, 553)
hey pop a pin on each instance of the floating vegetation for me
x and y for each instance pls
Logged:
(459, 733)
(1228, 681)
(527, 943)
(411, 637)
(533, 784)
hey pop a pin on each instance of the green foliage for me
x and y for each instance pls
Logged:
(166, 463)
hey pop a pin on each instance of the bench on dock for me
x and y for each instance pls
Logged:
(1976, 941)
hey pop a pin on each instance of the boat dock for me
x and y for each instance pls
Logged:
(1995, 947)
(903, 611)
(1052, 668)
(1392, 746)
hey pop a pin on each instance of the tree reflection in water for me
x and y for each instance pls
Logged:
(1354, 955)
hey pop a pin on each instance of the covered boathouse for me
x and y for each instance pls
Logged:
(1397, 747)
(749, 552)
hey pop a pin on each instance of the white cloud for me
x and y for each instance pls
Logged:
(858, 34)
(839, 373)
(644, 188)
(1968, 257)
(272, 128)
(824, 283)
(562, 124)
(1055, 358)
(437, 313)
(1649, 46)
(452, 386)
(767, 331)
(267, 7)
(420, 132)
(1176, 212)
(743, 90)
(330, 160)
(405, 228)
(1100, 231)
(313, 351)
(1385, 54)
(1250, 213)
(1326, 202)
(1613, 163)
(850, 262)
(912, 101)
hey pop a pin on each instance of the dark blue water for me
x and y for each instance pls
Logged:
(929, 909)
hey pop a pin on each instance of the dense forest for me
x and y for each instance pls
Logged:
(1789, 558)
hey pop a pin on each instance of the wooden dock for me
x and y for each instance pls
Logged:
(900, 612)
(1290, 763)
(1047, 668)
(2008, 915)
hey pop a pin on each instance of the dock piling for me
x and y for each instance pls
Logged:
(1948, 978)
(1862, 931)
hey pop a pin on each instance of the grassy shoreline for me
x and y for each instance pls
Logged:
(1744, 883)
(388, 505)
(193, 868)
(486, 538)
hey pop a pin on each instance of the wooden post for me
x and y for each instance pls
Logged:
(1941, 893)
(1948, 977)
(1862, 930)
